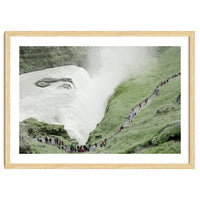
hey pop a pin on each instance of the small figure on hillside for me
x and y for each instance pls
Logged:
(156, 91)
(161, 83)
(179, 73)
(178, 98)
(46, 140)
(130, 118)
(140, 105)
(146, 100)
(72, 147)
(164, 82)
(50, 140)
(88, 148)
(120, 129)
(105, 141)
(132, 109)
(96, 145)
(62, 142)
(102, 143)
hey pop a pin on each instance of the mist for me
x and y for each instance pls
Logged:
(109, 67)
(81, 108)
(119, 62)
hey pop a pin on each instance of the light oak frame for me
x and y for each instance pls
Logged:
(189, 34)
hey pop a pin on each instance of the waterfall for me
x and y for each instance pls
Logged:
(81, 105)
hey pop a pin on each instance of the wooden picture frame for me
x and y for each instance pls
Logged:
(8, 43)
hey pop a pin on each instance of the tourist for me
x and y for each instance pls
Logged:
(46, 140)
(130, 118)
(121, 128)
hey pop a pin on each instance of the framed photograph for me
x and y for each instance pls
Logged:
(99, 100)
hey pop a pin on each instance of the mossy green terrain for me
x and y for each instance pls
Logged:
(147, 133)
(31, 130)
(38, 58)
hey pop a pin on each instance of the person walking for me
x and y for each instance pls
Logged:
(120, 129)
(46, 140)
(140, 105)
(130, 118)
(105, 140)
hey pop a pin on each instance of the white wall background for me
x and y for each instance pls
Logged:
(99, 15)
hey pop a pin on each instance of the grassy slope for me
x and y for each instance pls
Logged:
(38, 58)
(42, 148)
(40, 130)
(147, 124)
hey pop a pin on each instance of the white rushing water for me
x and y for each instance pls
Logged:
(81, 108)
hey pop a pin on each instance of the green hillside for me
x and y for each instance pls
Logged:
(37, 58)
(31, 130)
(156, 129)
